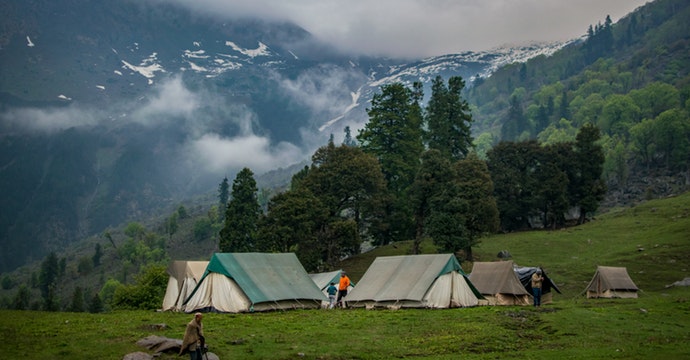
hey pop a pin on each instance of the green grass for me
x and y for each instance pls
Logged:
(652, 240)
(649, 327)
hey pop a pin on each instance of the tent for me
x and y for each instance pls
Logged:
(184, 276)
(322, 280)
(524, 273)
(499, 284)
(244, 282)
(611, 282)
(417, 281)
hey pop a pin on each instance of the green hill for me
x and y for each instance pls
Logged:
(651, 239)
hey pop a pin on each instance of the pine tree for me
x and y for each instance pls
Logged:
(394, 136)
(349, 141)
(48, 282)
(477, 189)
(431, 194)
(98, 253)
(448, 119)
(22, 299)
(589, 188)
(241, 216)
(223, 197)
(77, 304)
(95, 304)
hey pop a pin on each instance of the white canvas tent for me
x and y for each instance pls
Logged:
(245, 282)
(322, 280)
(184, 276)
(417, 281)
(611, 282)
(499, 284)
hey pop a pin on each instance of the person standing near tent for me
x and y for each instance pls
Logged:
(342, 288)
(537, 280)
(332, 292)
(193, 340)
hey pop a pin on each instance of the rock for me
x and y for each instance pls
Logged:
(503, 254)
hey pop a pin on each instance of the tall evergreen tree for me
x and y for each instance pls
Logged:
(22, 299)
(95, 304)
(394, 136)
(48, 282)
(241, 216)
(349, 141)
(589, 187)
(564, 107)
(448, 119)
(223, 197)
(516, 122)
(431, 193)
(77, 304)
(98, 253)
(553, 173)
(477, 189)
(512, 167)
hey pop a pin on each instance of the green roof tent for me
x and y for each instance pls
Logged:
(499, 284)
(322, 280)
(184, 275)
(245, 282)
(611, 282)
(415, 281)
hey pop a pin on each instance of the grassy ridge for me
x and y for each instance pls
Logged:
(652, 240)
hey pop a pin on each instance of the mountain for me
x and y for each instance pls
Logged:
(630, 78)
(114, 111)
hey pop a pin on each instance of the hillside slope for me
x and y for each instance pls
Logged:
(651, 239)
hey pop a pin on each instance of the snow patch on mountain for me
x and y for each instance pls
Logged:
(147, 68)
(492, 60)
(355, 103)
(262, 50)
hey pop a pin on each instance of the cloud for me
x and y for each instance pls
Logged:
(419, 28)
(49, 120)
(326, 90)
(217, 154)
(171, 100)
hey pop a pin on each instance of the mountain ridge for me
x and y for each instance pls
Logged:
(109, 110)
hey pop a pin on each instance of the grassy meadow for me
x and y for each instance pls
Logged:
(652, 240)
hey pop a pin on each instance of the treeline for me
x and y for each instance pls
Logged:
(412, 173)
(630, 79)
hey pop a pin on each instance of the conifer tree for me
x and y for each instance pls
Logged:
(48, 282)
(476, 188)
(448, 119)
(77, 304)
(241, 216)
(349, 141)
(394, 136)
(432, 195)
(589, 187)
(223, 197)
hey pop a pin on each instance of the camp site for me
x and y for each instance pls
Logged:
(572, 325)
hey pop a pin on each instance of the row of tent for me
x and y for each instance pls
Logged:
(246, 282)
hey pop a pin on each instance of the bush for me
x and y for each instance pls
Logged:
(146, 293)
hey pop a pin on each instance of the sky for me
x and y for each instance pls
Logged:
(421, 28)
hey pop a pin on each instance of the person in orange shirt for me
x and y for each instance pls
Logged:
(342, 288)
